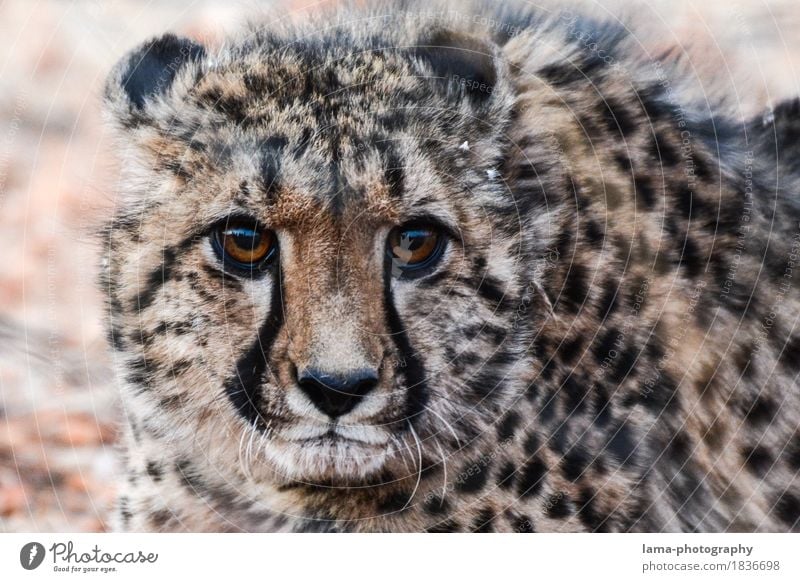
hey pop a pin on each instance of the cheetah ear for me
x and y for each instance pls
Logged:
(459, 64)
(146, 74)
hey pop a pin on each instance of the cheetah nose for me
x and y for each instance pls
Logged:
(336, 394)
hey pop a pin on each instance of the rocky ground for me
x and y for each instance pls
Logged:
(58, 409)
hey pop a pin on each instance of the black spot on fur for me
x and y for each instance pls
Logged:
(532, 444)
(490, 290)
(436, 505)
(574, 463)
(623, 161)
(602, 406)
(606, 347)
(758, 460)
(393, 503)
(623, 366)
(762, 411)
(473, 476)
(558, 506)
(594, 234)
(790, 358)
(394, 173)
(691, 259)
(269, 164)
(587, 512)
(114, 337)
(188, 477)
(139, 375)
(576, 286)
(787, 508)
(793, 454)
(483, 521)
(505, 475)
(570, 350)
(508, 426)
(660, 395)
(608, 301)
(155, 470)
(531, 478)
(663, 151)
(125, 511)
(161, 274)
(656, 107)
(160, 518)
(549, 407)
(622, 445)
(576, 394)
(459, 63)
(618, 119)
(520, 523)
(486, 385)
(644, 192)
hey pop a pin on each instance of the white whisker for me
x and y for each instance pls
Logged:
(401, 446)
(444, 469)
(419, 470)
(447, 424)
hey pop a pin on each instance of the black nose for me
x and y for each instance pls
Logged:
(336, 394)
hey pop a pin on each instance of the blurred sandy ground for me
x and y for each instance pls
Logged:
(58, 407)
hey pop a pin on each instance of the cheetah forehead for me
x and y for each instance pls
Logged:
(369, 119)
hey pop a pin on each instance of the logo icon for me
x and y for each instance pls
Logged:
(31, 555)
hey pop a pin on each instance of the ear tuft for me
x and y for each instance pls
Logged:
(460, 60)
(149, 70)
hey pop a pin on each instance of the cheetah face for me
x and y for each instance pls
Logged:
(312, 253)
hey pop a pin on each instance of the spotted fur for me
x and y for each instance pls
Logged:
(609, 342)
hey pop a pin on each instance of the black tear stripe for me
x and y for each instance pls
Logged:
(244, 388)
(413, 372)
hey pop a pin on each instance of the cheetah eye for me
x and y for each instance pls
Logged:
(244, 244)
(414, 249)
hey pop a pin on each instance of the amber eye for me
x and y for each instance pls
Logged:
(244, 245)
(414, 249)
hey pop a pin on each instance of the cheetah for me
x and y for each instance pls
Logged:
(427, 267)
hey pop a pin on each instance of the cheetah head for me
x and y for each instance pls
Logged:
(320, 270)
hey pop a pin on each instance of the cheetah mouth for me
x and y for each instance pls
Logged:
(311, 452)
(370, 436)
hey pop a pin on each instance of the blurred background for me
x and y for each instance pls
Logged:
(58, 404)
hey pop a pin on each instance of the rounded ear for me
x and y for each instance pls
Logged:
(146, 73)
(460, 63)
